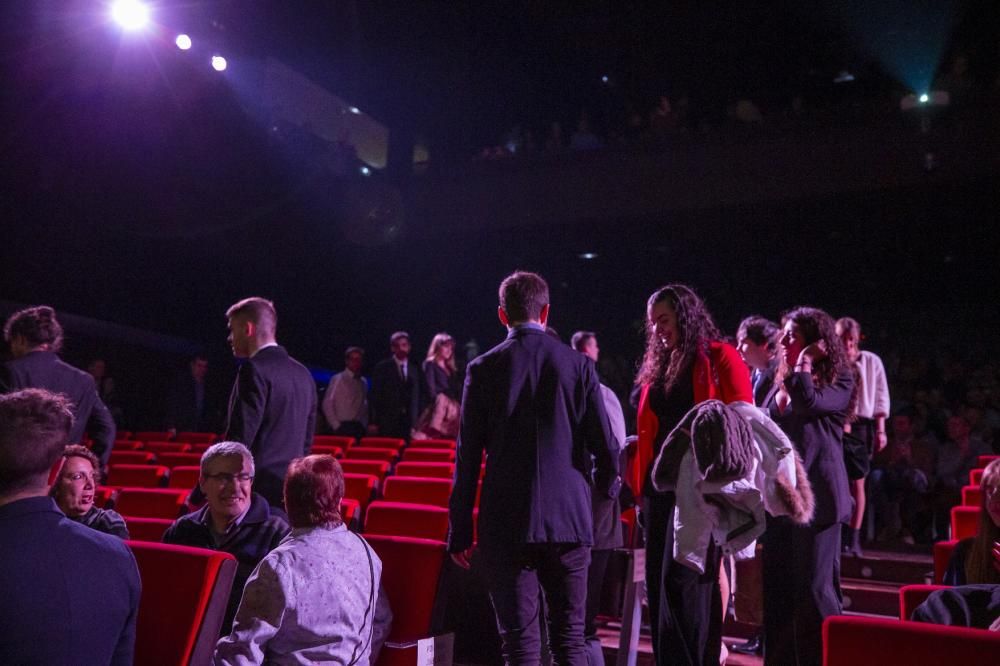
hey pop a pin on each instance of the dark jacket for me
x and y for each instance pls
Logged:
(534, 406)
(272, 410)
(762, 381)
(814, 422)
(104, 520)
(256, 536)
(183, 412)
(70, 593)
(45, 370)
(395, 404)
(439, 381)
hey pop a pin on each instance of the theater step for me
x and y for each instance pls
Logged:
(902, 568)
(870, 598)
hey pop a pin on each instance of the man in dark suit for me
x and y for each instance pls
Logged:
(272, 407)
(399, 391)
(35, 336)
(188, 404)
(535, 407)
(71, 593)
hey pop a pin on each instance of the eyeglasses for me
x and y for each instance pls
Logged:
(225, 477)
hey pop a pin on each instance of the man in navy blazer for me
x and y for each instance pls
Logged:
(272, 407)
(71, 593)
(534, 406)
(399, 391)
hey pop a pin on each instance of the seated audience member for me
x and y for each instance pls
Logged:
(955, 459)
(900, 482)
(317, 596)
(234, 520)
(974, 561)
(74, 489)
(71, 594)
(973, 606)
(345, 403)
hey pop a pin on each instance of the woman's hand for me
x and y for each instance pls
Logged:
(809, 355)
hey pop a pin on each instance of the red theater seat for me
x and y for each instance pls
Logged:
(104, 496)
(976, 476)
(360, 488)
(350, 512)
(341, 441)
(942, 555)
(124, 434)
(377, 468)
(125, 445)
(185, 477)
(866, 641)
(983, 461)
(383, 442)
(150, 502)
(911, 596)
(411, 569)
(327, 449)
(420, 521)
(428, 455)
(147, 529)
(415, 490)
(184, 596)
(130, 457)
(964, 521)
(434, 444)
(426, 469)
(972, 496)
(197, 437)
(167, 447)
(178, 459)
(152, 436)
(199, 448)
(139, 476)
(371, 453)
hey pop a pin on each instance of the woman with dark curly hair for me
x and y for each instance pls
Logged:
(685, 363)
(810, 401)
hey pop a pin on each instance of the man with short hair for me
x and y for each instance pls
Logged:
(272, 407)
(345, 403)
(399, 391)
(234, 520)
(35, 337)
(53, 570)
(534, 407)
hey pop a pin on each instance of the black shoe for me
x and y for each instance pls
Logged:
(752, 646)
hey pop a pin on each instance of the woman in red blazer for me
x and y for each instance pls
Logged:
(685, 363)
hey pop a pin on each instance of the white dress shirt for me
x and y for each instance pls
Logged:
(346, 399)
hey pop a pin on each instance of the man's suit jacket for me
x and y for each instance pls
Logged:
(182, 406)
(395, 404)
(762, 382)
(45, 370)
(272, 410)
(534, 406)
(71, 593)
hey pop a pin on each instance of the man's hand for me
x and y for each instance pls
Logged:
(880, 440)
(463, 558)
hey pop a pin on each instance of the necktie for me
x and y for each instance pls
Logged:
(402, 371)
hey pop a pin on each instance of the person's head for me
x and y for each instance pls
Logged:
(227, 472)
(902, 424)
(253, 323)
(399, 343)
(849, 331)
(31, 329)
(524, 298)
(442, 351)
(585, 342)
(677, 325)
(958, 428)
(199, 368)
(979, 565)
(74, 488)
(34, 431)
(803, 326)
(354, 358)
(314, 488)
(757, 341)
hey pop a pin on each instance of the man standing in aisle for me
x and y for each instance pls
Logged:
(399, 391)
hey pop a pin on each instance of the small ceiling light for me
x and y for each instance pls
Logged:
(924, 98)
(183, 42)
(219, 63)
(588, 255)
(355, 110)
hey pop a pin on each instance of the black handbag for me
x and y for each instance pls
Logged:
(857, 460)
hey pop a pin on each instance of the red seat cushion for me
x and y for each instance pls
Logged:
(146, 529)
(416, 490)
(428, 455)
(421, 521)
(139, 476)
(865, 641)
(427, 470)
(150, 502)
(410, 572)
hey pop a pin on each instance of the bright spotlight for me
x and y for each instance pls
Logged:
(183, 42)
(365, 171)
(924, 98)
(355, 110)
(587, 255)
(219, 63)
(130, 14)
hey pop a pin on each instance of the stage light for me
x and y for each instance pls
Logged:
(355, 110)
(183, 42)
(924, 98)
(605, 79)
(588, 255)
(365, 171)
(130, 14)
(219, 63)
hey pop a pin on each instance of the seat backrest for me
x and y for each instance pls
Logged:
(983, 461)
(377, 468)
(126, 445)
(382, 442)
(911, 596)
(411, 569)
(327, 449)
(350, 513)
(370, 453)
(146, 529)
(197, 437)
(427, 470)
(185, 477)
(152, 436)
(428, 455)
(422, 521)
(976, 476)
(150, 502)
(342, 441)
(416, 490)
(964, 521)
(942, 555)
(972, 496)
(360, 487)
(178, 459)
(868, 641)
(434, 444)
(185, 592)
(199, 447)
(103, 496)
(167, 447)
(139, 476)
(130, 457)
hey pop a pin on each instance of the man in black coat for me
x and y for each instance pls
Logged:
(71, 593)
(189, 405)
(272, 407)
(399, 391)
(35, 336)
(534, 407)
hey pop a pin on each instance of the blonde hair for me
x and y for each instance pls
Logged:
(979, 564)
(439, 341)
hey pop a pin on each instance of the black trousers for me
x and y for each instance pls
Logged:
(685, 607)
(514, 575)
(801, 589)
